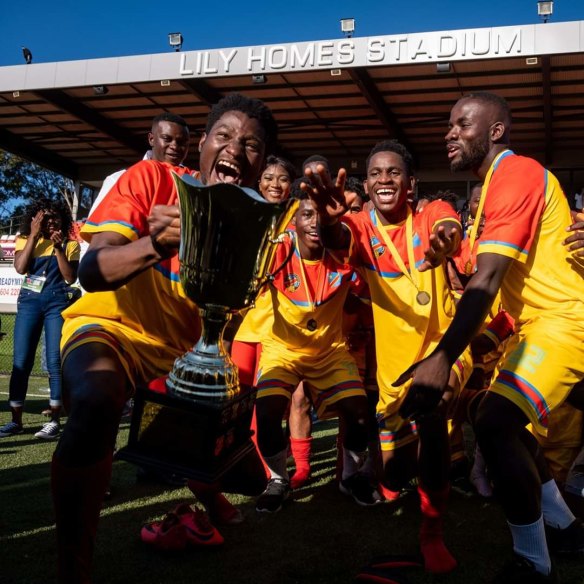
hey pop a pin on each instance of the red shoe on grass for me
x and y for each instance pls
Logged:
(181, 528)
(168, 534)
(199, 529)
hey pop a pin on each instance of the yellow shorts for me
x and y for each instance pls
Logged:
(327, 379)
(540, 366)
(143, 358)
(394, 431)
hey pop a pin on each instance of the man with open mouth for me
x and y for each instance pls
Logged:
(135, 320)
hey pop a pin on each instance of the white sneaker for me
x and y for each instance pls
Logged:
(49, 431)
(10, 429)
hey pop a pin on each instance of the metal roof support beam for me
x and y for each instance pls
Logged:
(37, 154)
(547, 108)
(92, 117)
(202, 91)
(370, 92)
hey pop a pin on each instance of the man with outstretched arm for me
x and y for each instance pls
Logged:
(542, 287)
(412, 307)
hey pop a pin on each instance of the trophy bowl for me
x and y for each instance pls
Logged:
(198, 424)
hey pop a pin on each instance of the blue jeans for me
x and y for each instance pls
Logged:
(35, 310)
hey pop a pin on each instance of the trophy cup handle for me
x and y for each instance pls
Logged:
(269, 277)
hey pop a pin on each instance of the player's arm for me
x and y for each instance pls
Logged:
(444, 242)
(576, 240)
(496, 332)
(112, 259)
(431, 375)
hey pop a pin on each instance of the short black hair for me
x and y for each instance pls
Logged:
(354, 185)
(397, 148)
(478, 185)
(273, 160)
(252, 108)
(316, 158)
(57, 206)
(296, 192)
(499, 102)
(447, 196)
(170, 117)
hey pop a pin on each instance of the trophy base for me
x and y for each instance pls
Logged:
(195, 440)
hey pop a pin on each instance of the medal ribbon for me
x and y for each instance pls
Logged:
(312, 302)
(475, 226)
(409, 246)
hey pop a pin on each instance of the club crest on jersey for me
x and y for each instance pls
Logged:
(334, 279)
(377, 247)
(291, 282)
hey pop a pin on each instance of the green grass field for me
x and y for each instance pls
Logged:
(320, 538)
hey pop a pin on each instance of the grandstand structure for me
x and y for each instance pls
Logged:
(88, 118)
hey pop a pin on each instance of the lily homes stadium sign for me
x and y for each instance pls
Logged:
(459, 45)
(385, 50)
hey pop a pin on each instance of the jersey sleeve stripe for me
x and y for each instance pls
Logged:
(121, 227)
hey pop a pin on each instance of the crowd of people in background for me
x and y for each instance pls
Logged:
(408, 315)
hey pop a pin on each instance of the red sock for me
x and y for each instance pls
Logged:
(437, 558)
(78, 494)
(301, 448)
(254, 439)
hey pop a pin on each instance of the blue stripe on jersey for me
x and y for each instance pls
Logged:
(110, 222)
(167, 273)
(382, 274)
(504, 155)
(503, 244)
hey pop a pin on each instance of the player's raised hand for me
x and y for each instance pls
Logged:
(576, 240)
(443, 242)
(328, 195)
(429, 382)
(164, 223)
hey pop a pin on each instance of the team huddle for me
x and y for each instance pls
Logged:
(362, 323)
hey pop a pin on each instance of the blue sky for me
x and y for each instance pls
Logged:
(63, 30)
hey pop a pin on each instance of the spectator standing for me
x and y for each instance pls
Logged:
(48, 259)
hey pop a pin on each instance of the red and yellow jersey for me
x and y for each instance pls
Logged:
(526, 216)
(153, 304)
(405, 331)
(465, 258)
(257, 321)
(309, 295)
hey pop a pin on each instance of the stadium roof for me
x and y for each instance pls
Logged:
(86, 119)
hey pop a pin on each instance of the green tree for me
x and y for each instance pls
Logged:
(22, 181)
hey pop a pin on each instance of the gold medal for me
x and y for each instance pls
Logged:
(411, 274)
(311, 325)
(423, 297)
